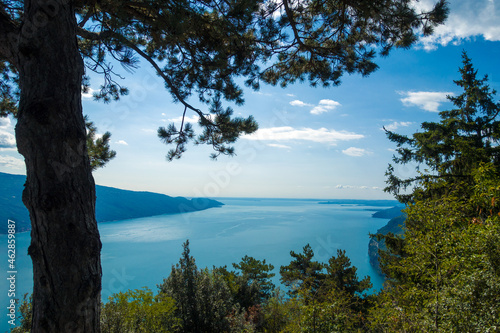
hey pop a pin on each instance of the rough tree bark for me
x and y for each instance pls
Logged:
(59, 190)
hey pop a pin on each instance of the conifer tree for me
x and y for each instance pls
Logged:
(303, 274)
(441, 266)
(198, 48)
(257, 272)
(98, 148)
(448, 151)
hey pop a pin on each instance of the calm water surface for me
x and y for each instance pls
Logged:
(141, 252)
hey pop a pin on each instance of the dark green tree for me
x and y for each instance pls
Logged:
(202, 297)
(329, 296)
(98, 148)
(257, 272)
(341, 275)
(303, 274)
(440, 266)
(198, 48)
(181, 285)
(448, 151)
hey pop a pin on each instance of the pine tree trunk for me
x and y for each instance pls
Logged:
(59, 191)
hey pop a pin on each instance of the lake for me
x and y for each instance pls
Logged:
(141, 252)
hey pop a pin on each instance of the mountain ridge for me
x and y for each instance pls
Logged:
(112, 204)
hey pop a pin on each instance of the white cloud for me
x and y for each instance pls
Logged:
(426, 100)
(11, 162)
(277, 145)
(5, 122)
(347, 187)
(342, 187)
(299, 103)
(329, 103)
(192, 119)
(467, 19)
(323, 106)
(122, 142)
(397, 124)
(7, 140)
(287, 133)
(355, 152)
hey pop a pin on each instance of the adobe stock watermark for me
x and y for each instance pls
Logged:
(11, 273)
(133, 101)
(325, 248)
(118, 282)
(247, 151)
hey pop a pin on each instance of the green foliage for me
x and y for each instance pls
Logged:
(342, 276)
(447, 278)
(303, 273)
(325, 297)
(25, 315)
(257, 272)
(137, 311)
(334, 314)
(9, 95)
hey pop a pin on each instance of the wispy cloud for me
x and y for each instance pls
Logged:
(397, 124)
(323, 105)
(261, 93)
(188, 119)
(299, 103)
(11, 162)
(277, 145)
(287, 133)
(7, 140)
(5, 122)
(356, 187)
(466, 20)
(426, 100)
(122, 142)
(355, 152)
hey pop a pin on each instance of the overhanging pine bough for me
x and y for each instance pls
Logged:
(198, 48)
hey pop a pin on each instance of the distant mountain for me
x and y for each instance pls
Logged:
(395, 225)
(389, 213)
(112, 204)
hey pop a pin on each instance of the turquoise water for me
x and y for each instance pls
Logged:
(141, 252)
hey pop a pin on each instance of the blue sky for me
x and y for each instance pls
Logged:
(313, 142)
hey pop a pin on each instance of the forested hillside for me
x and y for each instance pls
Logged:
(112, 203)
